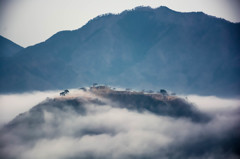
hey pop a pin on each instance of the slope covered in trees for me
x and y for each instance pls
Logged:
(141, 48)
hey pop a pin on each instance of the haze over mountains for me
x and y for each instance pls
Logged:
(142, 48)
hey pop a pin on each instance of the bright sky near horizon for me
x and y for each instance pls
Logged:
(28, 22)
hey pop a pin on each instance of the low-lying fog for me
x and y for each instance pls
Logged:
(113, 132)
(13, 104)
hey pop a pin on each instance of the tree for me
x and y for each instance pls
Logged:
(66, 91)
(163, 92)
(62, 94)
(150, 91)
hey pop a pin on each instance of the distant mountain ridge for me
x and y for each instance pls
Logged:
(141, 48)
(8, 48)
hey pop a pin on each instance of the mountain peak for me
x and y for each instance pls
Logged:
(8, 48)
(139, 48)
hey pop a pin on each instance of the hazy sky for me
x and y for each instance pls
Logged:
(27, 22)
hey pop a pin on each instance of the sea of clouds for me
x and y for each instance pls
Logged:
(13, 104)
(104, 130)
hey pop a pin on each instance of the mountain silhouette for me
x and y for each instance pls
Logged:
(140, 48)
(8, 48)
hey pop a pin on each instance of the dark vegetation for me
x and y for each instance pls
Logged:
(174, 107)
(142, 48)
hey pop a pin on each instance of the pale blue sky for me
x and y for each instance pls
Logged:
(28, 22)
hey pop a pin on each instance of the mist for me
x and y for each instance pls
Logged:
(13, 104)
(84, 125)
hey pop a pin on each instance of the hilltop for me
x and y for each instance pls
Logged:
(105, 122)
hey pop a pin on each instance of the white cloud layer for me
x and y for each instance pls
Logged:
(102, 130)
(13, 104)
(213, 104)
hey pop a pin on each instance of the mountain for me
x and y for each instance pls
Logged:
(140, 48)
(102, 123)
(8, 48)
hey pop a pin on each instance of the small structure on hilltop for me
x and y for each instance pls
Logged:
(83, 88)
(100, 88)
(150, 91)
